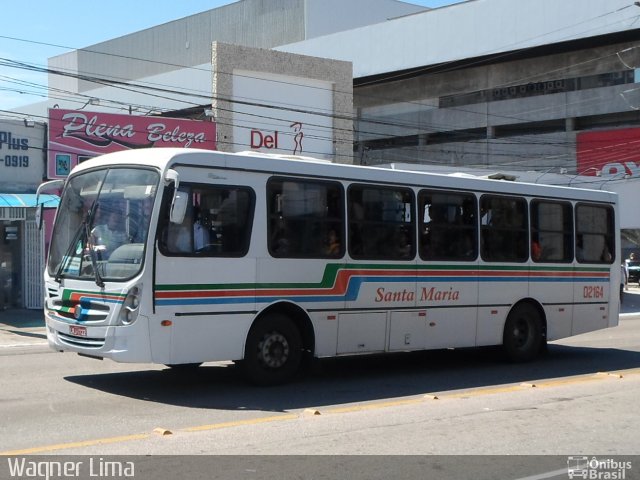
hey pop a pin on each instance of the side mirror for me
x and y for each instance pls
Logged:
(180, 198)
(179, 206)
(53, 185)
(39, 215)
(171, 176)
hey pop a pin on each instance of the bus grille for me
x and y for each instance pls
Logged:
(84, 342)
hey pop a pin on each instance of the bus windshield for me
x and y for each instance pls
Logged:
(102, 225)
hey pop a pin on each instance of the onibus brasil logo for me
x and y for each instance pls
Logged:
(595, 468)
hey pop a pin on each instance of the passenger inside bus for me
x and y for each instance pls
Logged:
(333, 244)
(178, 236)
(536, 250)
(201, 236)
(435, 241)
(109, 235)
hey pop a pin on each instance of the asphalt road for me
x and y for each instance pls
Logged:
(456, 414)
(62, 403)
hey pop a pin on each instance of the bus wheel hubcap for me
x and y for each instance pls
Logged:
(520, 333)
(274, 350)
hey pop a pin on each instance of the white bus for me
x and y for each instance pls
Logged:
(180, 257)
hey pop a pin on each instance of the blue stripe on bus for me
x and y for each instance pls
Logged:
(355, 283)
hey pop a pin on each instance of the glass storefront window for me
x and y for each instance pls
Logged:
(10, 261)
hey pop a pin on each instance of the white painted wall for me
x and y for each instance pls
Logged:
(467, 30)
(304, 101)
(327, 16)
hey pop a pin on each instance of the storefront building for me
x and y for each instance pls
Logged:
(22, 243)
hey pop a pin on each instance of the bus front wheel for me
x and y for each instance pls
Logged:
(523, 336)
(273, 351)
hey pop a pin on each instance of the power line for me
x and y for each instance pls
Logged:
(110, 82)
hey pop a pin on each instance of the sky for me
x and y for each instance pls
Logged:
(36, 30)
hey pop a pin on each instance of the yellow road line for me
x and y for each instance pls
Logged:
(239, 423)
(629, 371)
(348, 409)
(87, 443)
(481, 391)
(372, 406)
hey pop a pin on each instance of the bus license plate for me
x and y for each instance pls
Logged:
(78, 331)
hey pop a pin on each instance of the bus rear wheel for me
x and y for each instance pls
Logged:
(273, 351)
(523, 337)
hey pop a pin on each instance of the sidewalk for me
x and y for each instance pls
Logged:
(20, 327)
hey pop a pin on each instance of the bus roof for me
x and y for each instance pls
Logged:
(166, 158)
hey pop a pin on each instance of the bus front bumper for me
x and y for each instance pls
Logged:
(119, 343)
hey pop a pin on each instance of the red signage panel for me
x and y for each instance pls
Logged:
(77, 135)
(609, 152)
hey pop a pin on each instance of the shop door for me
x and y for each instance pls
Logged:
(33, 265)
(10, 263)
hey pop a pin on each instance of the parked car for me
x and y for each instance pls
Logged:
(633, 271)
(623, 281)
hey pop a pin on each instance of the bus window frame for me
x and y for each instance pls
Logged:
(484, 230)
(472, 227)
(340, 220)
(412, 234)
(610, 233)
(164, 222)
(533, 231)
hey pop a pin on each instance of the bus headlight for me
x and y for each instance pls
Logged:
(129, 310)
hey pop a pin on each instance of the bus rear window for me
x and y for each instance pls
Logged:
(594, 234)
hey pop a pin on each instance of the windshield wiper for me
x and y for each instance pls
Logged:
(92, 253)
(92, 256)
(82, 228)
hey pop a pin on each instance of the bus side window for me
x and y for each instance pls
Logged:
(448, 229)
(381, 223)
(305, 218)
(551, 231)
(177, 237)
(218, 222)
(504, 229)
(594, 234)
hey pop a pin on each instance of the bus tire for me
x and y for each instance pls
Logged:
(273, 351)
(523, 337)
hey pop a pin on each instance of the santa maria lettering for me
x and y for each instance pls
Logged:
(394, 296)
(434, 295)
(426, 294)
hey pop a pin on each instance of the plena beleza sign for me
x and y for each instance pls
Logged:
(75, 135)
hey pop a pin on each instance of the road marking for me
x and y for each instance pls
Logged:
(423, 398)
(86, 443)
(481, 391)
(373, 406)
(556, 473)
(240, 423)
(12, 345)
(629, 371)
